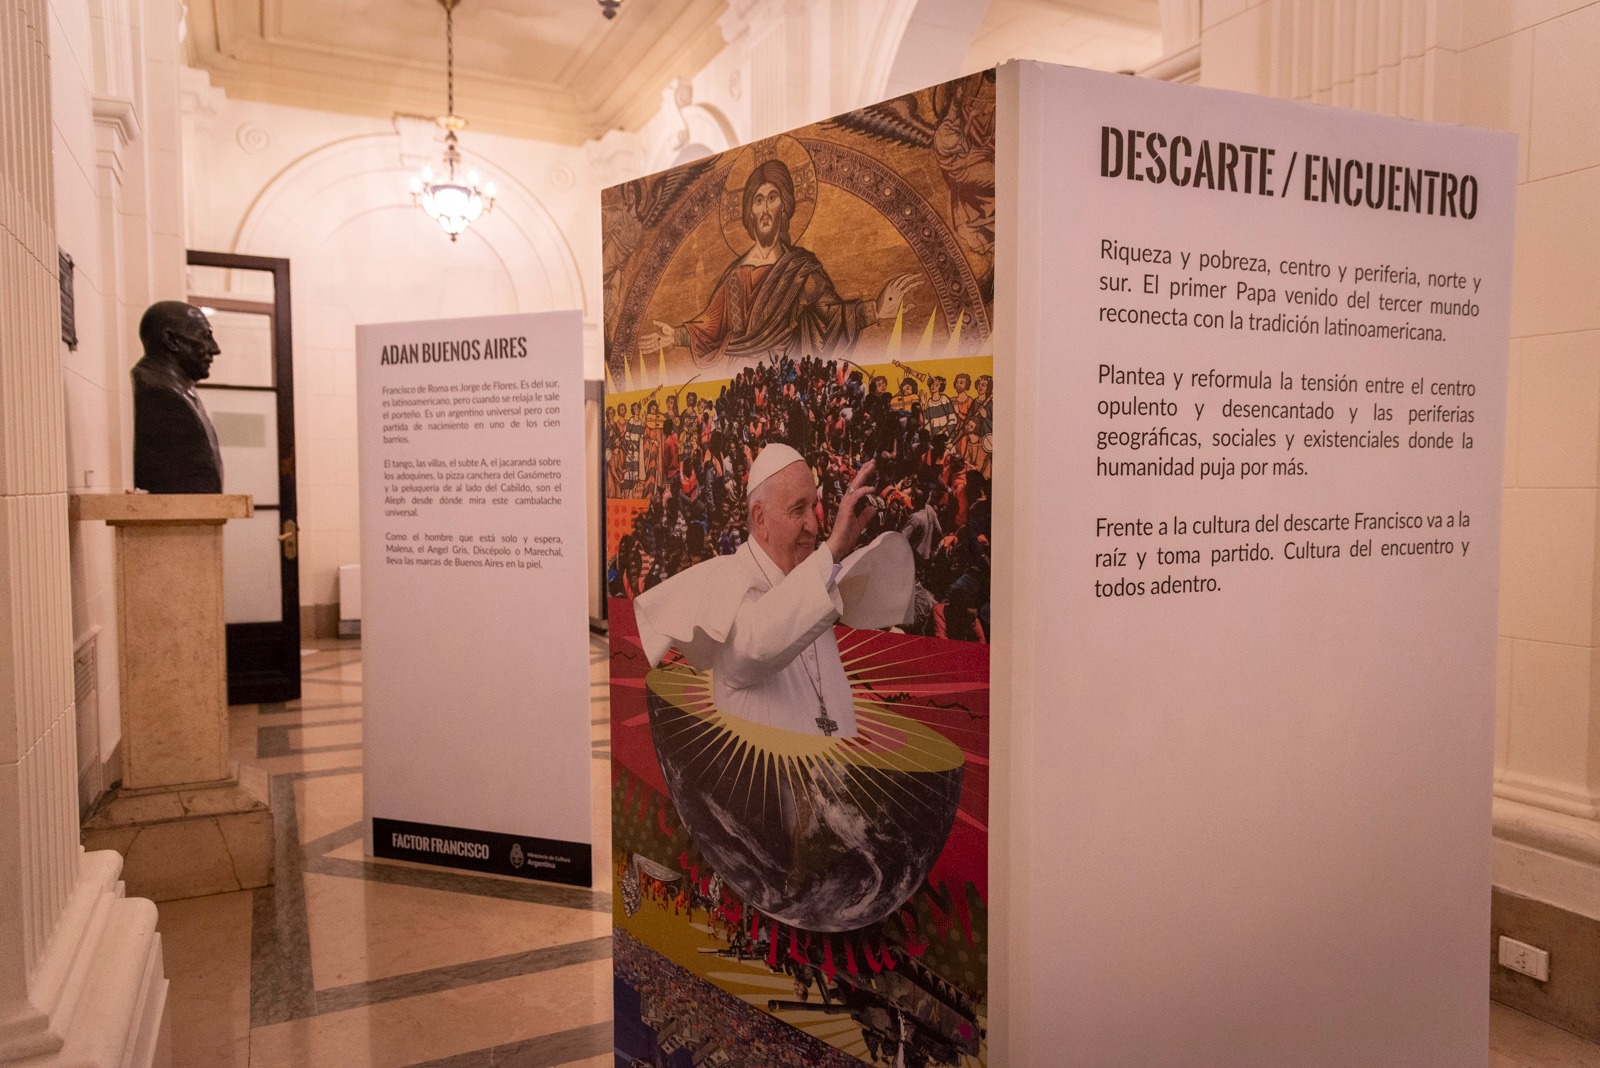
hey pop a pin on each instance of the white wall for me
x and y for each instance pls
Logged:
(329, 192)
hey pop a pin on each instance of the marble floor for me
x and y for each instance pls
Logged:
(355, 962)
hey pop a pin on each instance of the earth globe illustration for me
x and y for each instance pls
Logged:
(822, 833)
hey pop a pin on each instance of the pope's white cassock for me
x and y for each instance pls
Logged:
(766, 637)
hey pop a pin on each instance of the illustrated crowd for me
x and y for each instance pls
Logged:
(691, 1015)
(685, 457)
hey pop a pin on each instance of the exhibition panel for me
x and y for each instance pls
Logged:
(1243, 774)
(1237, 369)
(473, 571)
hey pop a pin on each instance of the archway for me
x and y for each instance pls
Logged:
(360, 252)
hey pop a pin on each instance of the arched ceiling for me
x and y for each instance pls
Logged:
(553, 70)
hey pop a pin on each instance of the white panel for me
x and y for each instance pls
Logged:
(1245, 821)
(252, 575)
(349, 592)
(246, 421)
(473, 583)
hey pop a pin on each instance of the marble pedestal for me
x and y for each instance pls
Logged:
(184, 821)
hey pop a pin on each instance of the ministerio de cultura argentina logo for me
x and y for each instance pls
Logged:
(516, 855)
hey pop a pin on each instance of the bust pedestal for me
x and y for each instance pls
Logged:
(183, 819)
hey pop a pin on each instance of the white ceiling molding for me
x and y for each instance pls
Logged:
(549, 70)
(688, 122)
(615, 157)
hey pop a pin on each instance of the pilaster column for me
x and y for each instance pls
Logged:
(80, 966)
(1392, 57)
(116, 128)
(779, 42)
(201, 102)
(1180, 43)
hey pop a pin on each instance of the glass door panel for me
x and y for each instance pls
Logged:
(252, 583)
(246, 421)
(208, 283)
(246, 341)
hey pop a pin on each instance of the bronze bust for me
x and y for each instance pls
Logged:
(174, 445)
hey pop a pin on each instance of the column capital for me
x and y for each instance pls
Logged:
(754, 16)
(196, 94)
(117, 115)
(616, 157)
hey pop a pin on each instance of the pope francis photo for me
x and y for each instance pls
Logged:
(761, 620)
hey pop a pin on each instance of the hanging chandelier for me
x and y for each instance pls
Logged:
(454, 197)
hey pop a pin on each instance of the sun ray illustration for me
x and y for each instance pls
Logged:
(925, 346)
(729, 739)
(877, 667)
(892, 346)
(859, 791)
(876, 663)
(952, 348)
(749, 770)
(871, 655)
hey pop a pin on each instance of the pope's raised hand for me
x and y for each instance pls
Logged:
(855, 512)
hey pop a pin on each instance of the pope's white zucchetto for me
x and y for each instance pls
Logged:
(770, 461)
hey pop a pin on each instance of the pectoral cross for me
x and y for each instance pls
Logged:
(825, 724)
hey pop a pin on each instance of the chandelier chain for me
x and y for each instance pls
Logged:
(450, 58)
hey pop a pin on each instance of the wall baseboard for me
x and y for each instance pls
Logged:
(1571, 998)
(96, 779)
(319, 621)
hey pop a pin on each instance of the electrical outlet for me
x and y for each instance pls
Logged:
(1521, 957)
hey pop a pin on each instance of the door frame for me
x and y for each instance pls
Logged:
(282, 683)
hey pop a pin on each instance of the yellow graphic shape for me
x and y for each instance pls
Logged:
(925, 346)
(885, 740)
